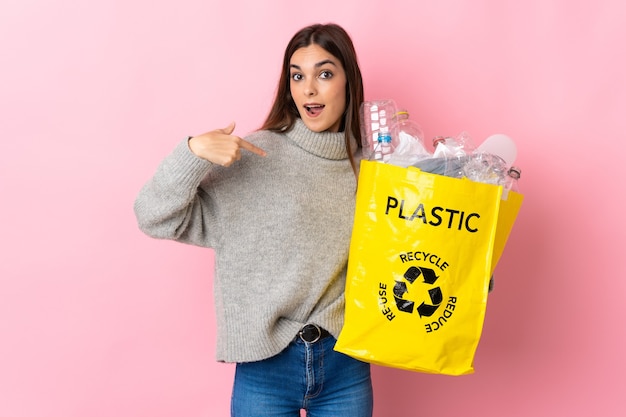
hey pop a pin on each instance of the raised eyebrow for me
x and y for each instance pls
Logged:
(317, 65)
(324, 62)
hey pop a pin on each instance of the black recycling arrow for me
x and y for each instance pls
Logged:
(407, 306)
(429, 276)
(436, 297)
(412, 274)
(399, 289)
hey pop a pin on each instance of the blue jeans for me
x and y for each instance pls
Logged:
(311, 376)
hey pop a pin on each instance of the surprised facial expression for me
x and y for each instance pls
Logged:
(318, 88)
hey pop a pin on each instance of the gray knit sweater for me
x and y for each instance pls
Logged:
(280, 226)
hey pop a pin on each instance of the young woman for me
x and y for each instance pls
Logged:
(277, 207)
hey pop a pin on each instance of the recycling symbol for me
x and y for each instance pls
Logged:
(400, 288)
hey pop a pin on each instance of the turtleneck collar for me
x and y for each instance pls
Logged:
(329, 145)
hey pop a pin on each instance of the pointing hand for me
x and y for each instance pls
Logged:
(221, 147)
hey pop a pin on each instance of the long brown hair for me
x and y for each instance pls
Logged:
(334, 39)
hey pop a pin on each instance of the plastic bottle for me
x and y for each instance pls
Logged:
(408, 139)
(377, 152)
(405, 126)
(486, 168)
(501, 145)
(376, 117)
(512, 181)
(439, 144)
(454, 151)
(449, 153)
(446, 146)
(386, 148)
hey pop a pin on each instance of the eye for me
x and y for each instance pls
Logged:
(326, 74)
(296, 76)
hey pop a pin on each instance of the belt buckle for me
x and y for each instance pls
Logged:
(310, 333)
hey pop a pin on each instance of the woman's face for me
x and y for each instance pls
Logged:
(318, 87)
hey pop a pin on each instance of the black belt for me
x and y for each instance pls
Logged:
(311, 333)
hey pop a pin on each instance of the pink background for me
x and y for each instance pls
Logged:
(98, 320)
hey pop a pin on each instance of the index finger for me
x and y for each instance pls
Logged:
(250, 147)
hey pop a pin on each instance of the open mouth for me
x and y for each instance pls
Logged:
(313, 109)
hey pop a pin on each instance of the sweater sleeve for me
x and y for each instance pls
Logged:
(171, 205)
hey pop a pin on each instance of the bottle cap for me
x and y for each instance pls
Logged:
(384, 137)
(515, 172)
(402, 113)
(438, 139)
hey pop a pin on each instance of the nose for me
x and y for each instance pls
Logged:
(310, 88)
